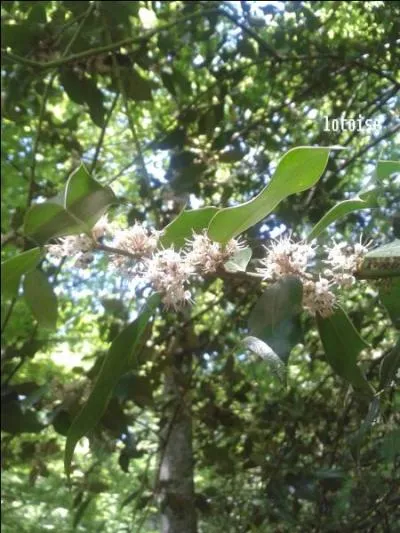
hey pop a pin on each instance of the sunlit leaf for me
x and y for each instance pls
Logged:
(298, 170)
(41, 299)
(239, 261)
(13, 269)
(84, 201)
(363, 201)
(185, 224)
(387, 168)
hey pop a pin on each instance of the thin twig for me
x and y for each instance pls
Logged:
(102, 133)
(106, 48)
(43, 109)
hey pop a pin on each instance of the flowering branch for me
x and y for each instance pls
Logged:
(136, 251)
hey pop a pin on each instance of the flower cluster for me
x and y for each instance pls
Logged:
(169, 273)
(206, 255)
(343, 260)
(137, 251)
(285, 257)
(80, 246)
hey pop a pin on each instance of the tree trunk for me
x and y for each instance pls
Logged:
(176, 484)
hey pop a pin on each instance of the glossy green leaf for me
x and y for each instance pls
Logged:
(275, 317)
(387, 168)
(85, 198)
(45, 221)
(358, 438)
(239, 261)
(13, 269)
(136, 87)
(185, 224)
(82, 203)
(363, 201)
(391, 445)
(41, 299)
(342, 345)
(298, 170)
(389, 295)
(122, 351)
(260, 348)
(389, 250)
(83, 90)
(389, 366)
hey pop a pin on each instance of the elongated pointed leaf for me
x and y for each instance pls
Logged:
(122, 350)
(298, 170)
(363, 201)
(358, 438)
(13, 269)
(275, 317)
(48, 220)
(389, 366)
(260, 348)
(40, 297)
(186, 223)
(82, 203)
(387, 168)
(342, 345)
(389, 295)
(390, 250)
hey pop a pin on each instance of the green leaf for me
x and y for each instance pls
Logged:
(275, 317)
(47, 220)
(391, 445)
(358, 438)
(121, 352)
(390, 366)
(83, 202)
(342, 345)
(41, 299)
(83, 90)
(363, 201)
(13, 269)
(185, 224)
(84, 198)
(389, 295)
(16, 420)
(298, 170)
(239, 261)
(387, 168)
(262, 349)
(136, 87)
(389, 250)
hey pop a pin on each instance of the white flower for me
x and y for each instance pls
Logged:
(206, 255)
(136, 240)
(318, 298)
(345, 258)
(285, 257)
(101, 227)
(71, 246)
(168, 272)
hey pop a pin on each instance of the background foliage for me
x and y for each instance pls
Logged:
(174, 103)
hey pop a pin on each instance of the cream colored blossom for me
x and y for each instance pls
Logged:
(168, 272)
(137, 240)
(206, 256)
(285, 257)
(318, 298)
